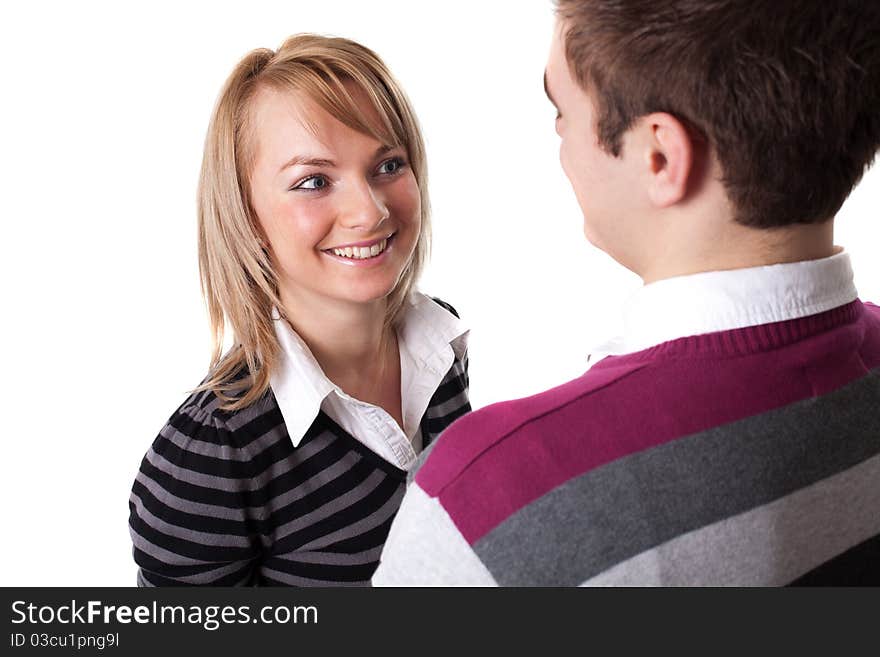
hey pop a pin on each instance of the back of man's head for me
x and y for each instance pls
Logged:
(786, 92)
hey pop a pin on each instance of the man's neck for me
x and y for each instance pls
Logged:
(734, 246)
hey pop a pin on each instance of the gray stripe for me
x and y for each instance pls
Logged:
(215, 573)
(197, 401)
(337, 504)
(205, 413)
(187, 506)
(616, 511)
(227, 484)
(380, 515)
(224, 452)
(769, 546)
(454, 404)
(295, 458)
(259, 512)
(313, 483)
(193, 444)
(201, 414)
(240, 418)
(234, 484)
(203, 538)
(202, 578)
(293, 580)
(338, 558)
(420, 461)
(160, 553)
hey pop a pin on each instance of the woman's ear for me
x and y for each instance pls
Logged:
(670, 158)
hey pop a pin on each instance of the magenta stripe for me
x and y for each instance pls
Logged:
(496, 460)
(493, 423)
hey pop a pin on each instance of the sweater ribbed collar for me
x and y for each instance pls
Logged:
(715, 301)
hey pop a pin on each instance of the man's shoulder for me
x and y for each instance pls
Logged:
(489, 436)
(638, 391)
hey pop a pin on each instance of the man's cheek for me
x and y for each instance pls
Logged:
(564, 161)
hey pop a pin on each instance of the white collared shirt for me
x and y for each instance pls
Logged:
(724, 300)
(430, 338)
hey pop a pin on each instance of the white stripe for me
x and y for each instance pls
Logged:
(425, 548)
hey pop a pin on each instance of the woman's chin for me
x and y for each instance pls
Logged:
(365, 294)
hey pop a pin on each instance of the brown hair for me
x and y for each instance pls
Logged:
(787, 92)
(239, 283)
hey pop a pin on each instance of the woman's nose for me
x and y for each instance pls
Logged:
(364, 209)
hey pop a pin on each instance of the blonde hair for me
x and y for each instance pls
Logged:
(239, 283)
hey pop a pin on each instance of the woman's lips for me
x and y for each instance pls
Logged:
(362, 254)
(367, 243)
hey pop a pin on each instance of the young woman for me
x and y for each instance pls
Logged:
(287, 465)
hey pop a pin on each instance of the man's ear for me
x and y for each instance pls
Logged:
(669, 156)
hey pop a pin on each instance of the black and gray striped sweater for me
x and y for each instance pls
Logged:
(224, 498)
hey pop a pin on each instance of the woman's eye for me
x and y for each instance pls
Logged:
(312, 182)
(391, 166)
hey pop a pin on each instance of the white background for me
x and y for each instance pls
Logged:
(104, 110)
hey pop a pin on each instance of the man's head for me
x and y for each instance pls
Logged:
(771, 105)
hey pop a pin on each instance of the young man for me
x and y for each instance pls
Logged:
(733, 436)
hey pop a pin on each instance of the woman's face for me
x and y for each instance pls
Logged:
(341, 212)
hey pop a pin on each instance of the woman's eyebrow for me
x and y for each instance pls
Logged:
(308, 160)
(385, 148)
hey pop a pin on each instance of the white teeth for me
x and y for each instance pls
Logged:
(362, 252)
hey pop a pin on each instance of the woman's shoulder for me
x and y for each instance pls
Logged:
(205, 416)
(446, 305)
(203, 447)
(420, 301)
(434, 322)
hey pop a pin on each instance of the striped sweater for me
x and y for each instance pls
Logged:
(741, 457)
(223, 498)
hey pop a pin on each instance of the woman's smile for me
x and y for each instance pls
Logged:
(364, 254)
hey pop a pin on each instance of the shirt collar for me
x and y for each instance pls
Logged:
(427, 329)
(714, 301)
(300, 385)
(298, 382)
